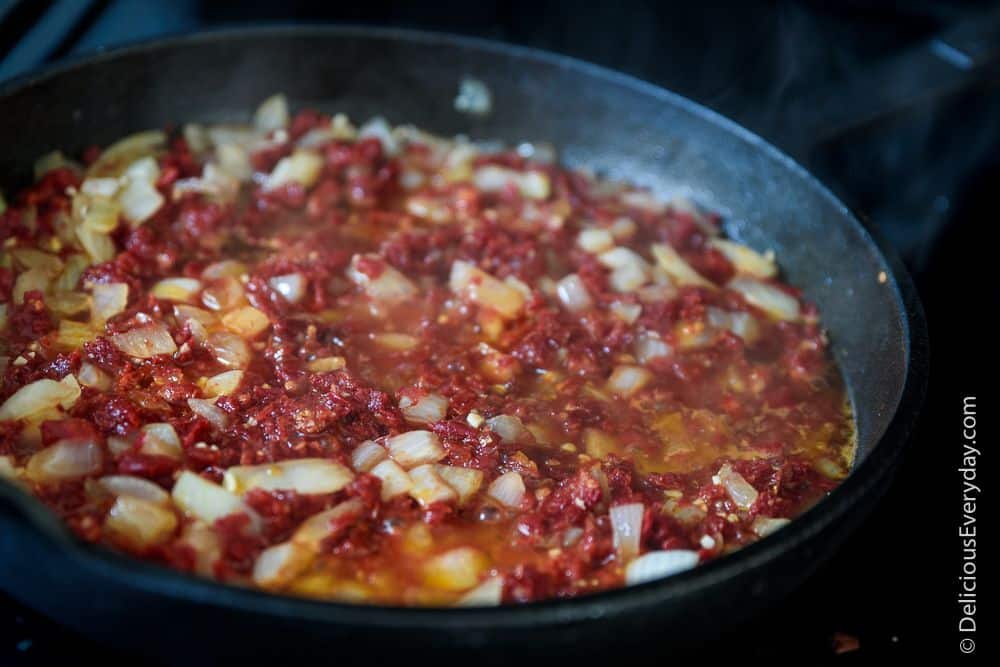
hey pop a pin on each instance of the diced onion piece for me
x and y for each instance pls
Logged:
(627, 380)
(487, 594)
(65, 459)
(207, 410)
(209, 502)
(623, 228)
(399, 342)
(229, 349)
(223, 384)
(72, 335)
(395, 480)
(272, 114)
(100, 187)
(177, 289)
(509, 428)
(38, 397)
(145, 342)
(745, 259)
(465, 481)
(109, 299)
(102, 215)
(770, 299)
(139, 201)
(7, 468)
(626, 528)
(425, 410)
(134, 487)
(740, 323)
(33, 258)
(302, 167)
(246, 321)
(456, 570)
(484, 290)
(292, 286)
(643, 201)
(626, 312)
(508, 489)
(367, 455)
(738, 488)
(659, 564)
(233, 160)
(415, 448)
(573, 293)
(278, 566)
(629, 271)
(649, 346)
(320, 526)
(327, 364)
(531, 184)
(139, 524)
(379, 129)
(93, 377)
(204, 542)
(676, 267)
(627, 279)
(595, 240)
(75, 265)
(299, 475)
(125, 151)
(390, 285)
(161, 439)
(227, 268)
(428, 487)
(98, 246)
(765, 525)
(30, 281)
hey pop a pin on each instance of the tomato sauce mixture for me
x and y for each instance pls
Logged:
(380, 366)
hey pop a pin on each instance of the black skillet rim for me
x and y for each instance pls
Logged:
(862, 481)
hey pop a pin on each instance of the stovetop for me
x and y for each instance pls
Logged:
(926, 177)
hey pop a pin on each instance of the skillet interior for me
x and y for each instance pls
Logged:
(608, 122)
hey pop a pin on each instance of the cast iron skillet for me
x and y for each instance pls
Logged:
(607, 121)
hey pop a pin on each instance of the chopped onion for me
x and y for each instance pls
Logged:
(279, 565)
(234, 161)
(30, 281)
(246, 321)
(139, 201)
(272, 114)
(765, 525)
(161, 439)
(456, 570)
(102, 215)
(659, 564)
(100, 187)
(7, 468)
(484, 290)
(299, 475)
(223, 384)
(204, 543)
(229, 349)
(227, 268)
(209, 502)
(292, 286)
(644, 201)
(508, 489)
(465, 481)
(626, 527)
(318, 527)
(626, 312)
(623, 228)
(649, 346)
(738, 488)
(65, 459)
(676, 267)
(33, 258)
(627, 279)
(509, 428)
(427, 409)
(302, 167)
(573, 293)
(415, 448)
(627, 380)
(207, 410)
(531, 184)
(428, 487)
(487, 594)
(379, 129)
(139, 524)
(145, 342)
(390, 285)
(740, 323)
(399, 342)
(39, 397)
(770, 299)
(177, 289)
(367, 455)
(327, 364)
(746, 260)
(395, 480)
(595, 240)
(93, 377)
(125, 151)
(109, 300)
(134, 487)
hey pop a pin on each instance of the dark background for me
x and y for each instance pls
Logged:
(927, 174)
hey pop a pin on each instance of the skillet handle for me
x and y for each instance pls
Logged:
(964, 55)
